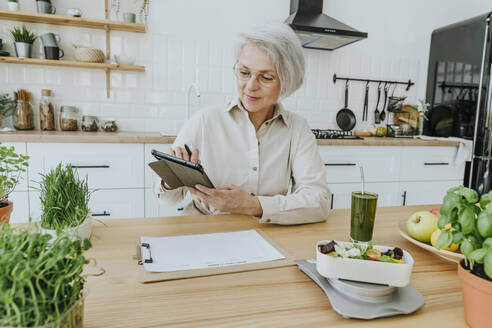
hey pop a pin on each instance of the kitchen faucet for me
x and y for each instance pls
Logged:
(197, 94)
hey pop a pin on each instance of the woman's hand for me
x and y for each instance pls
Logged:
(230, 199)
(183, 154)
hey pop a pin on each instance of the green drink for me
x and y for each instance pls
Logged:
(362, 215)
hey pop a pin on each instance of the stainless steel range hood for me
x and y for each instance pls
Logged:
(317, 30)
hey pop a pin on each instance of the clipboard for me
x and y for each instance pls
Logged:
(178, 172)
(149, 277)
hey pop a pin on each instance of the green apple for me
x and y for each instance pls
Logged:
(421, 225)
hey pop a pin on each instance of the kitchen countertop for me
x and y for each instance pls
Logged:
(156, 138)
(275, 297)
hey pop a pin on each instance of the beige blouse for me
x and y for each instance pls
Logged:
(279, 163)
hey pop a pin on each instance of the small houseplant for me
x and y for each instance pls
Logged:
(7, 106)
(42, 280)
(23, 39)
(11, 167)
(64, 201)
(13, 5)
(471, 225)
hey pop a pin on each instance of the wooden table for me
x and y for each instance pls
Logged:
(280, 297)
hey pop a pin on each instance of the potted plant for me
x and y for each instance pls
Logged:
(7, 106)
(11, 167)
(42, 279)
(143, 12)
(13, 5)
(471, 225)
(23, 39)
(64, 201)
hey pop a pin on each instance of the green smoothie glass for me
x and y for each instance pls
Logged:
(362, 215)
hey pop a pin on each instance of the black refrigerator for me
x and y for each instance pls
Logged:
(460, 94)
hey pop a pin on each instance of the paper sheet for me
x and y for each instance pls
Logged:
(189, 252)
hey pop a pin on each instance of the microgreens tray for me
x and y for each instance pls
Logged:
(350, 262)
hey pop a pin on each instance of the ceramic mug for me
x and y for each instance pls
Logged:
(45, 7)
(50, 39)
(129, 17)
(53, 53)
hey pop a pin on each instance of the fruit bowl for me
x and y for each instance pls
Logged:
(450, 256)
(391, 274)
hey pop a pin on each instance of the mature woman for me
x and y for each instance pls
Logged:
(263, 160)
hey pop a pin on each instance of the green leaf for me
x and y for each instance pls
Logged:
(484, 224)
(457, 237)
(467, 220)
(450, 202)
(487, 243)
(487, 264)
(445, 239)
(485, 199)
(478, 255)
(467, 246)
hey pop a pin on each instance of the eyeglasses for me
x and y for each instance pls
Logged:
(244, 74)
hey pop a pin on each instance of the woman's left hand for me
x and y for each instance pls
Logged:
(230, 199)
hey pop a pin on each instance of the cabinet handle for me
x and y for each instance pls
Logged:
(404, 196)
(101, 214)
(331, 205)
(437, 163)
(90, 166)
(340, 164)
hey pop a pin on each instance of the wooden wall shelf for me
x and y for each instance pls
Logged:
(66, 63)
(103, 24)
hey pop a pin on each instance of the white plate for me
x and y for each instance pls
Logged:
(450, 256)
(391, 274)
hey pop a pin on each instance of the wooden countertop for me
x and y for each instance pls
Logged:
(155, 137)
(264, 298)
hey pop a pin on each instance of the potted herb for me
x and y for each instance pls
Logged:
(471, 225)
(143, 12)
(64, 201)
(11, 167)
(23, 39)
(42, 280)
(13, 5)
(7, 106)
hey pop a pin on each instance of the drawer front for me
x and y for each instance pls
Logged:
(105, 204)
(20, 148)
(156, 208)
(150, 175)
(425, 193)
(106, 165)
(430, 163)
(342, 193)
(343, 163)
(21, 206)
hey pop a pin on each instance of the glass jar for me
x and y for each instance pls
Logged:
(23, 116)
(69, 116)
(46, 111)
(89, 123)
(109, 126)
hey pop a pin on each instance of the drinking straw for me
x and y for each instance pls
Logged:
(362, 178)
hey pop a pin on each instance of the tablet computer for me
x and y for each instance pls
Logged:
(177, 172)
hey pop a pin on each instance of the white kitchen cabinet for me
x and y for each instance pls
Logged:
(156, 208)
(343, 163)
(105, 204)
(430, 164)
(20, 212)
(423, 193)
(342, 193)
(106, 165)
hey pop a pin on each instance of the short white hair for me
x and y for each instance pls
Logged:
(282, 44)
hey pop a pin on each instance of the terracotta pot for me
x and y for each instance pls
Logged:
(5, 213)
(477, 298)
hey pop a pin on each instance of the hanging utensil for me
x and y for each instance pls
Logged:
(376, 111)
(345, 117)
(366, 103)
(382, 116)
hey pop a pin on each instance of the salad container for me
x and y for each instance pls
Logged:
(376, 272)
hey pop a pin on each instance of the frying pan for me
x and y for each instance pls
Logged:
(345, 117)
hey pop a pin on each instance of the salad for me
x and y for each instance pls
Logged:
(362, 252)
